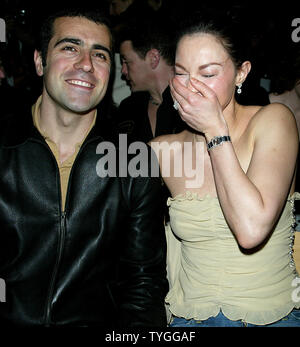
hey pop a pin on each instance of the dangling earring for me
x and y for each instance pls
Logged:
(239, 90)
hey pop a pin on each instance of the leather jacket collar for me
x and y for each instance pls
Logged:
(17, 129)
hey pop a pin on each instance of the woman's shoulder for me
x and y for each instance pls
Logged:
(274, 117)
(275, 112)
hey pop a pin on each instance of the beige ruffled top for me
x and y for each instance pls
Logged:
(209, 272)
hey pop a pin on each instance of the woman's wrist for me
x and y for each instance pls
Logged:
(217, 141)
(222, 131)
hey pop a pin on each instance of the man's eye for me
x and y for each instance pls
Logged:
(102, 56)
(69, 48)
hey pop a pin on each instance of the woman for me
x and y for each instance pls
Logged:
(229, 251)
(290, 96)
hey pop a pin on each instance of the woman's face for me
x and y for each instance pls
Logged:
(203, 57)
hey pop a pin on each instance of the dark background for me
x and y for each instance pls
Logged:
(268, 24)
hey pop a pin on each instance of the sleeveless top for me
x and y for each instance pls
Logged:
(209, 272)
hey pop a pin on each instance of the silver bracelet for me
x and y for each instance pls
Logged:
(217, 141)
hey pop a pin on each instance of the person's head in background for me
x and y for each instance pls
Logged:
(286, 73)
(155, 4)
(210, 50)
(116, 7)
(147, 54)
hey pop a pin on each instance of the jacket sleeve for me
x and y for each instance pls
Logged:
(143, 284)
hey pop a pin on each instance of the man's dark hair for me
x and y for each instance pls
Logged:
(46, 33)
(147, 34)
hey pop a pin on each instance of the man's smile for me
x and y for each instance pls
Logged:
(81, 83)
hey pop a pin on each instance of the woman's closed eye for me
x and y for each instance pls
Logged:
(208, 75)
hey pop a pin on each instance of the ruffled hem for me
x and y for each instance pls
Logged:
(231, 312)
(176, 307)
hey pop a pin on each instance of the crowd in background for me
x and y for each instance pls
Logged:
(272, 52)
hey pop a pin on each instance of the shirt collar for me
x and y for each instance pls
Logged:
(36, 116)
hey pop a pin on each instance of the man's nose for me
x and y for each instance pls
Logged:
(85, 62)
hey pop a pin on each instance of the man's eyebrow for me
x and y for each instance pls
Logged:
(69, 40)
(80, 43)
(102, 48)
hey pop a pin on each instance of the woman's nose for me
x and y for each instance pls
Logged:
(190, 86)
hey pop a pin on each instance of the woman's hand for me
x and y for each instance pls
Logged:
(199, 107)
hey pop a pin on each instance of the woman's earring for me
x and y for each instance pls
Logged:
(239, 90)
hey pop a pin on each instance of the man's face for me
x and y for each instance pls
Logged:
(78, 64)
(134, 68)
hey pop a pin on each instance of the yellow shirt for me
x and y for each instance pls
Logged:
(209, 272)
(66, 166)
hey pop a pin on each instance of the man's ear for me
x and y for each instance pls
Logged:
(243, 72)
(38, 63)
(154, 57)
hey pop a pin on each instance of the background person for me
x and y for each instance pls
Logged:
(147, 56)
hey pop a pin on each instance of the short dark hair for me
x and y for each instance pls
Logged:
(147, 34)
(46, 33)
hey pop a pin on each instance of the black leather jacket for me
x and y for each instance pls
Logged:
(101, 262)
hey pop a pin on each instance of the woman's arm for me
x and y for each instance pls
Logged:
(252, 201)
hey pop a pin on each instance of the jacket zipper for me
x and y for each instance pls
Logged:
(60, 246)
(55, 270)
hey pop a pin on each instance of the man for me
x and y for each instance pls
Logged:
(147, 54)
(75, 249)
